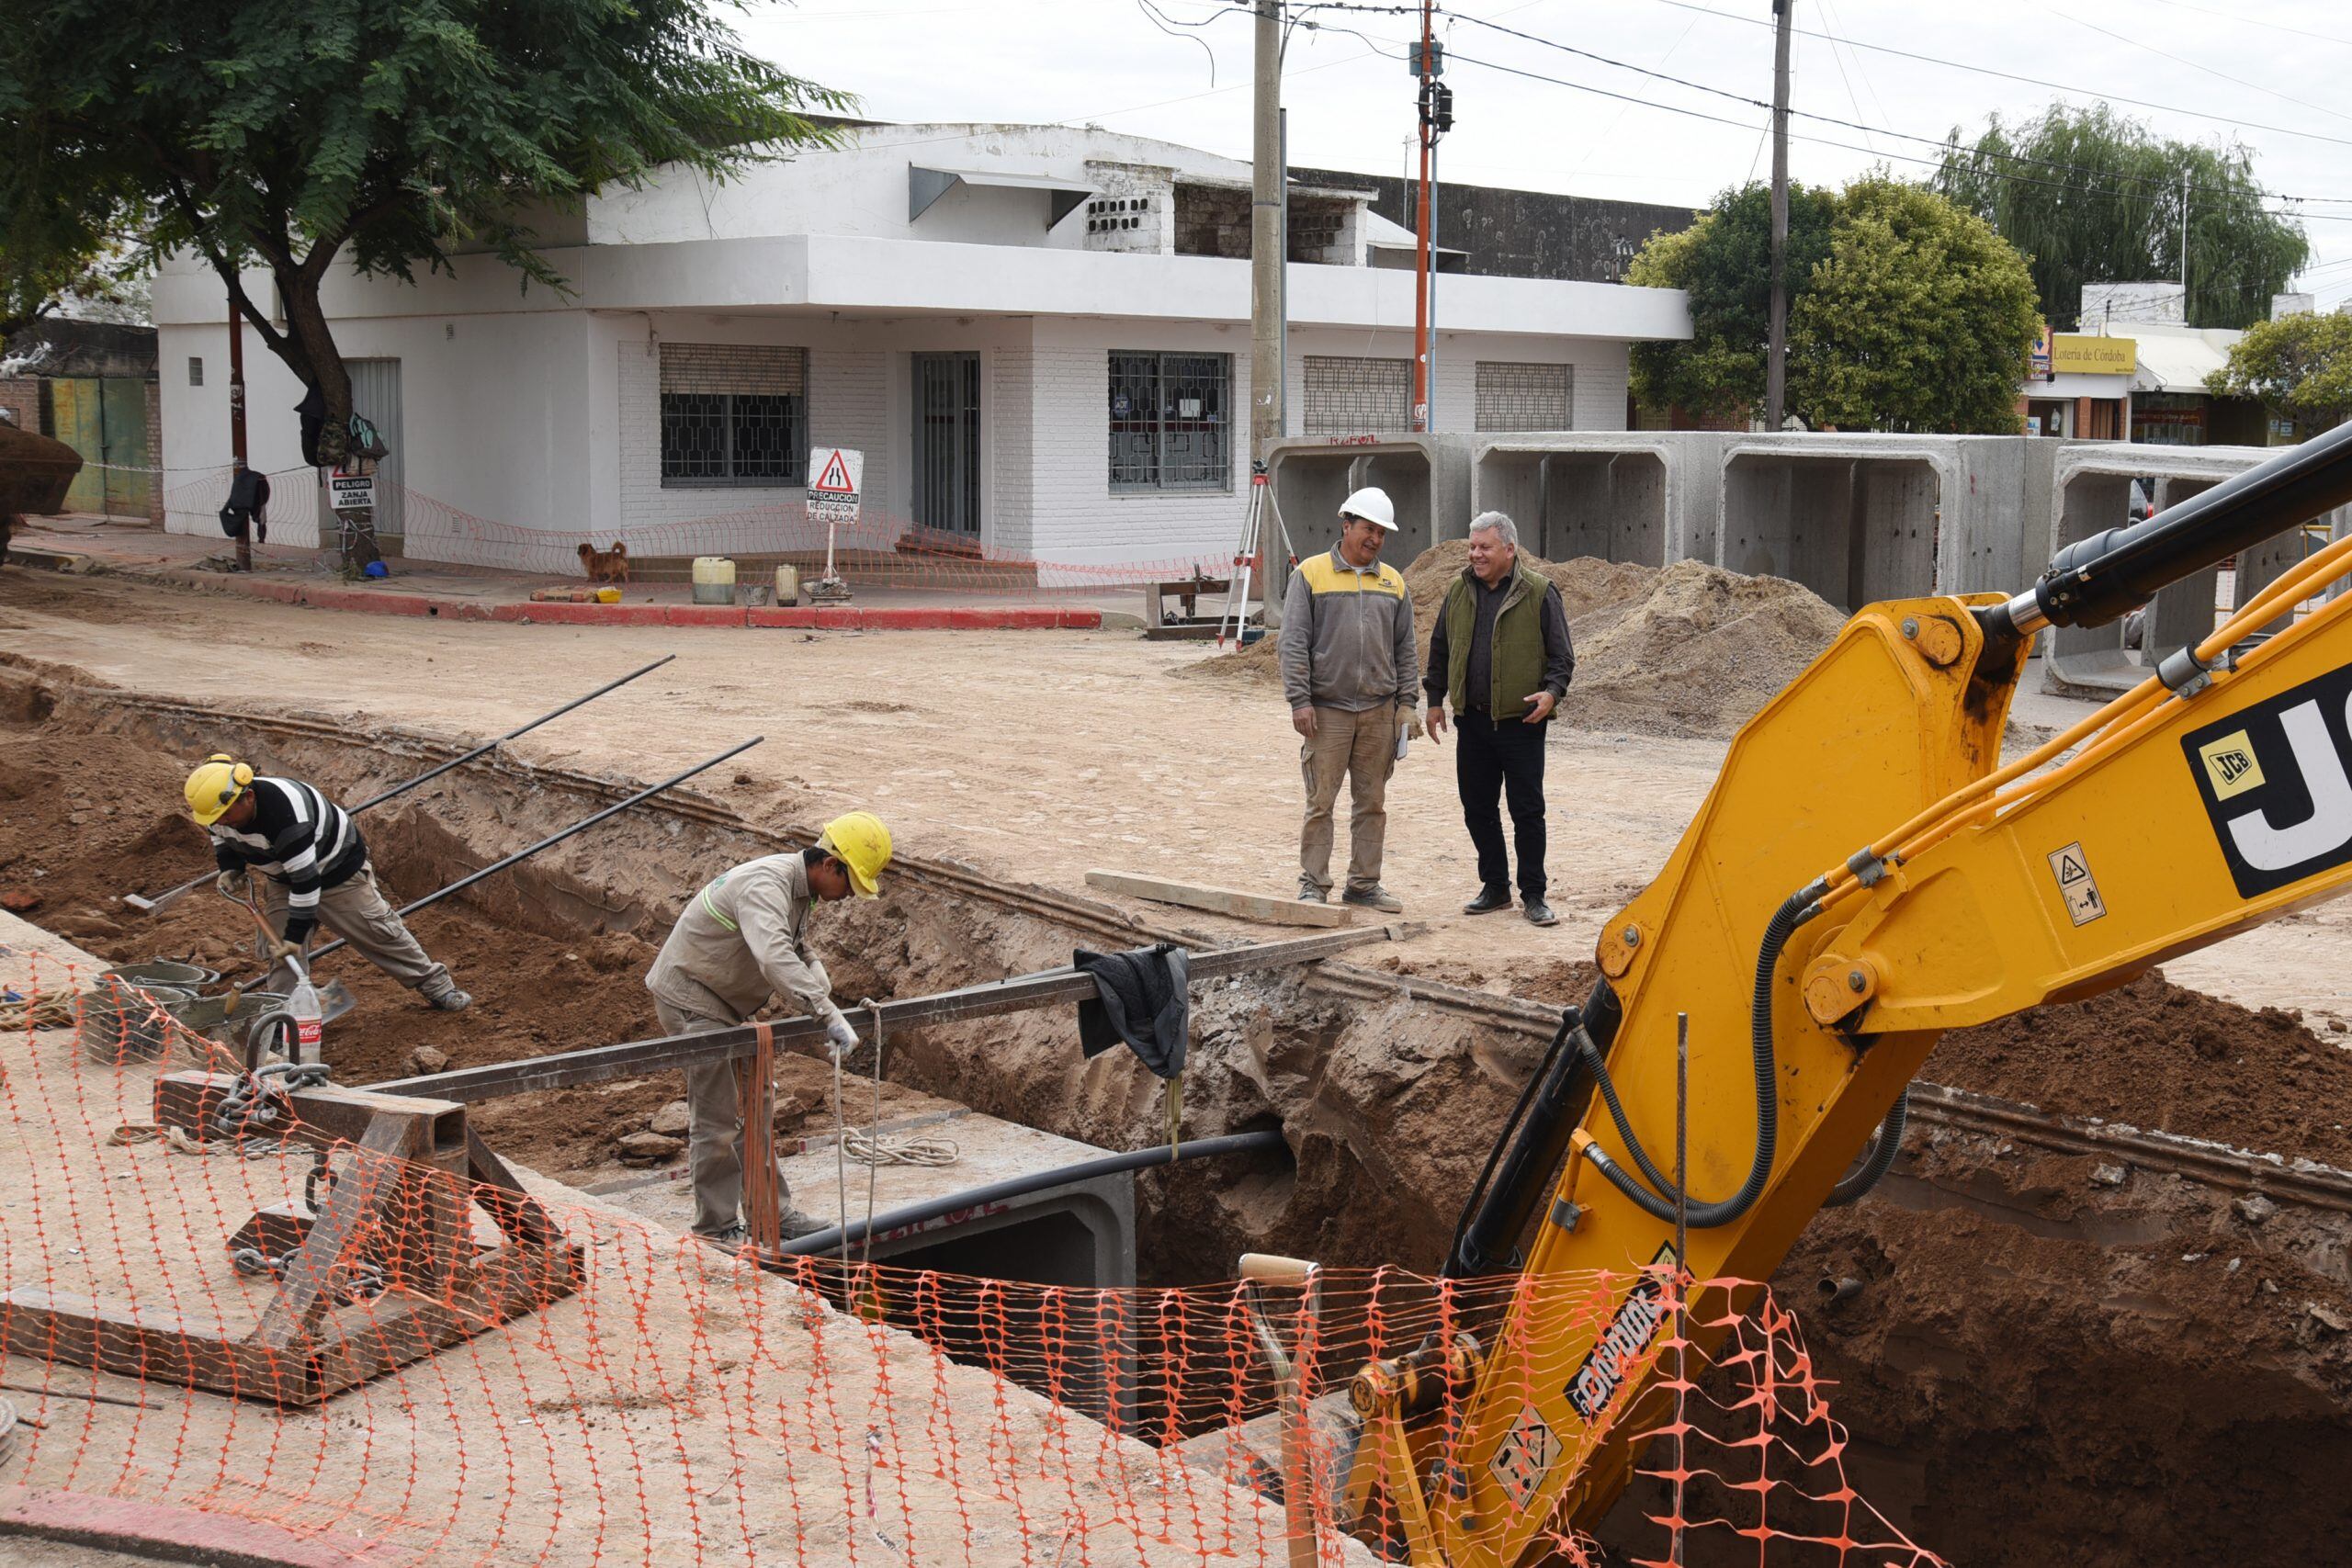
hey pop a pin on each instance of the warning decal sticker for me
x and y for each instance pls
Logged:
(2076, 883)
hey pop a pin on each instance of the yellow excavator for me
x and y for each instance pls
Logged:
(1866, 873)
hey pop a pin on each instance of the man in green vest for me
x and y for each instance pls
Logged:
(1501, 647)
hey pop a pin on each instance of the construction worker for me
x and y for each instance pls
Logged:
(1349, 670)
(1501, 649)
(743, 940)
(304, 855)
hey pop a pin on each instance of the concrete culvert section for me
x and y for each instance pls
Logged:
(1855, 528)
(1428, 478)
(2100, 1326)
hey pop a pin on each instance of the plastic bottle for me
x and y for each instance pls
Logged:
(310, 1019)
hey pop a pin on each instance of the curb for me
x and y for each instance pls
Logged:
(176, 1535)
(376, 601)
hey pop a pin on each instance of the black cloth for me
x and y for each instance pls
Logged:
(312, 414)
(298, 837)
(248, 505)
(1143, 1000)
(1559, 654)
(1503, 758)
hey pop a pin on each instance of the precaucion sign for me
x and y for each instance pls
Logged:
(834, 473)
(352, 492)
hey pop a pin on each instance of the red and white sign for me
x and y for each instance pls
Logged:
(833, 483)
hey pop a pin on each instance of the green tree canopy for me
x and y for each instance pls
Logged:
(1905, 312)
(1920, 319)
(2092, 197)
(1723, 263)
(2299, 368)
(286, 134)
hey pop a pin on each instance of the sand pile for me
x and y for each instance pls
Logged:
(1690, 651)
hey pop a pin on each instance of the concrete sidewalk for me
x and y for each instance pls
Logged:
(442, 591)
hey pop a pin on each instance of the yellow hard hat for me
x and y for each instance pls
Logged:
(861, 843)
(215, 785)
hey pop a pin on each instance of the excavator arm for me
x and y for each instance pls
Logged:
(1816, 969)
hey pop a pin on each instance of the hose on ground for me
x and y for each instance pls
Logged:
(1878, 1160)
(1797, 908)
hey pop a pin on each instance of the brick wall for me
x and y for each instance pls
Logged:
(1008, 409)
(20, 395)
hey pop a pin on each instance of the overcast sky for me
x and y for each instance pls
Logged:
(2260, 71)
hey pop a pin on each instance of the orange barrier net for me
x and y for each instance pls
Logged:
(335, 1323)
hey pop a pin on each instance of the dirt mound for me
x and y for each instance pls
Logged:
(1690, 651)
(1696, 654)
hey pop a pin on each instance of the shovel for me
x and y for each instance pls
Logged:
(335, 996)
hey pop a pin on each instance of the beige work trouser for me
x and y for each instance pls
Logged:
(357, 913)
(1361, 748)
(715, 1141)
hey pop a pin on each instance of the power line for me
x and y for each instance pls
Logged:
(2256, 21)
(2199, 65)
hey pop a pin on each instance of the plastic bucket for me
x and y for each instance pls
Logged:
(787, 585)
(714, 579)
(167, 972)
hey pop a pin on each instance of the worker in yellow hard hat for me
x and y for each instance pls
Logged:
(744, 940)
(306, 860)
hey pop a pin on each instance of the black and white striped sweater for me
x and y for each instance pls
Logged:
(298, 837)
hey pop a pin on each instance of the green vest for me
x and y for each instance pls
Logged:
(1518, 651)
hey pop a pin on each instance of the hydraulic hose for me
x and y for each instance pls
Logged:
(1885, 1144)
(1797, 908)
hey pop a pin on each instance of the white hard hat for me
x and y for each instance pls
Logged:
(1371, 504)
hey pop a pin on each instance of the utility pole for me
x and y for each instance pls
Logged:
(237, 420)
(2184, 244)
(1268, 311)
(1424, 65)
(1776, 362)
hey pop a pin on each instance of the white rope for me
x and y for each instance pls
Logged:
(899, 1149)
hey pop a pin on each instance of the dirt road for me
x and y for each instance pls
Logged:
(1032, 755)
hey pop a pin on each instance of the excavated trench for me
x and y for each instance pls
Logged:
(2047, 1354)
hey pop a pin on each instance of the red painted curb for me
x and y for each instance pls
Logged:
(184, 1535)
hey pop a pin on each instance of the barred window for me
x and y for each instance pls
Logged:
(1170, 420)
(1525, 396)
(733, 414)
(1348, 396)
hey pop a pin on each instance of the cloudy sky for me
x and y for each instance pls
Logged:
(2268, 72)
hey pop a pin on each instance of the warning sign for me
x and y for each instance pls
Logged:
(833, 483)
(1528, 1450)
(2076, 883)
(351, 492)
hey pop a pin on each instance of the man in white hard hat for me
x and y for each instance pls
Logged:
(1349, 670)
(743, 940)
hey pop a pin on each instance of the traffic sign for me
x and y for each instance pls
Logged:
(833, 487)
(351, 492)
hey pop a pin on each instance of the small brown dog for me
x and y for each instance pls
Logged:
(605, 566)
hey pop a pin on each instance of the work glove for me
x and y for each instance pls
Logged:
(298, 928)
(840, 1037)
(231, 884)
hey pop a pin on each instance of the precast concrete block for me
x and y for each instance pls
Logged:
(1650, 497)
(1428, 478)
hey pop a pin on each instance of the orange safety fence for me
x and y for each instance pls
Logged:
(882, 548)
(477, 1366)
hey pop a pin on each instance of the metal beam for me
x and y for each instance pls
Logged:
(1021, 992)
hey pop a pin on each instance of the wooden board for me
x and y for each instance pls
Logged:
(1263, 907)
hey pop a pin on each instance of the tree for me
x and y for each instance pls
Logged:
(1920, 319)
(2093, 196)
(1722, 261)
(300, 135)
(2299, 368)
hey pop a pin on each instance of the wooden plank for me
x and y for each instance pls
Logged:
(154, 1345)
(370, 1338)
(1263, 907)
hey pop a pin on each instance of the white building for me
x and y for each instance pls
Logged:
(1039, 337)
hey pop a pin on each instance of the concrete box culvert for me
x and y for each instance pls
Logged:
(1428, 476)
(1651, 499)
(2091, 492)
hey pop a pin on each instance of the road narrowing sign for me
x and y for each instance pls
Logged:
(833, 483)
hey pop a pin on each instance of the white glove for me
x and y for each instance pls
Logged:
(231, 884)
(840, 1037)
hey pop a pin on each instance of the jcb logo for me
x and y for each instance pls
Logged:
(2274, 783)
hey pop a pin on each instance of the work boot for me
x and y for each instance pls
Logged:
(730, 1239)
(798, 1223)
(1311, 893)
(448, 999)
(1372, 897)
(1489, 900)
(1539, 913)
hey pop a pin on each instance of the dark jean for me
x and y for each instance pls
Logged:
(1504, 760)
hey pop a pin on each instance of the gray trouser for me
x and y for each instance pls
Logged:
(715, 1145)
(1361, 748)
(357, 910)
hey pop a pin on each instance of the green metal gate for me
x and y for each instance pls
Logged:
(105, 419)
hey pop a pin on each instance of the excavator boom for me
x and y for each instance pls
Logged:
(1816, 969)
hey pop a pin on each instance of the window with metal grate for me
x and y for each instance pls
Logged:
(1525, 396)
(733, 414)
(1343, 395)
(1170, 420)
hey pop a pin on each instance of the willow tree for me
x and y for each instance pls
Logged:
(2092, 197)
(303, 136)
